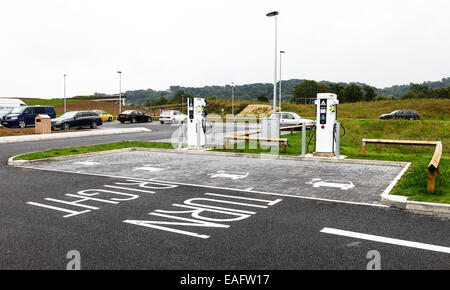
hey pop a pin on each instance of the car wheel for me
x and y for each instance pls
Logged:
(65, 126)
(122, 122)
(133, 120)
(149, 120)
(22, 124)
(94, 125)
(109, 119)
(162, 122)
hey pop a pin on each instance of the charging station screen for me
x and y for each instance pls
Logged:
(323, 111)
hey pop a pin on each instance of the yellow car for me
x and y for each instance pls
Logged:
(105, 116)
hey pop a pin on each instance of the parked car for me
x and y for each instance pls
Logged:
(291, 119)
(105, 116)
(77, 119)
(172, 116)
(133, 116)
(24, 116)
(6, 105)
(401, 114)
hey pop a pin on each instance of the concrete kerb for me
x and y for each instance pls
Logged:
(55, 136)
(396, 201)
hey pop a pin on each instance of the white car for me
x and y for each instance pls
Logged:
(6, 105)
(292, 119)
(172, 116)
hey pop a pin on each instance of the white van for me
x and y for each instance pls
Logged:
(6, 105)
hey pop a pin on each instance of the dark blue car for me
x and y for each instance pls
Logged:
(24, 116)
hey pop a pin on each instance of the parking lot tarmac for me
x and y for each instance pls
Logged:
(335, 181)
(45, 214)
(117, 223)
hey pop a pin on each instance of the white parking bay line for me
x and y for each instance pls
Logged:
(386, 240)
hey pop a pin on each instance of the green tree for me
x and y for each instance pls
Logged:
(180, 97)
(442, 93)
(305, 90)
(418, 91)
(157, 102)
(336, 88)
(369, 93)
(323, 88)
(262, 98)
(352, 93)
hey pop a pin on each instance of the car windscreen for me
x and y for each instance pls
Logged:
(18, 110)
(68, 115)
(296, 116)
(127, 112)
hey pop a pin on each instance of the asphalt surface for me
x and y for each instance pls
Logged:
(250, 230)
(336, 181)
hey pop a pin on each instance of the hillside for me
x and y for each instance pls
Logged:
(80, 105)
(429, 109)
(251, 91)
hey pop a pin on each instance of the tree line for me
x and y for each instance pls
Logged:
(357, 93)
(294, 90)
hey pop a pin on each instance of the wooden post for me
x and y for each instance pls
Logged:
(364, 148)
(431, 180)
(292, 131)
(285, 147)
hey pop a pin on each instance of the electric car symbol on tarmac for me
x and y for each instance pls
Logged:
(149, 168)
(224, 174)
(343, 185)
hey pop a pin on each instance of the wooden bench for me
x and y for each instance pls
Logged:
(246, 138)
(433, 167)
(294, 127)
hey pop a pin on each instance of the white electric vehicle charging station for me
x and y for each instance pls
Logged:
(196, 123)
(327, 126)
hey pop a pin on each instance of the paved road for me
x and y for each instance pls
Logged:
(130, 225)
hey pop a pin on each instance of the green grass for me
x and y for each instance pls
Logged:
(93, 148)
(414, 183)
(47, 102)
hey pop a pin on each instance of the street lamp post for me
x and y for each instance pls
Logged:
(120, 91)
(65, 106)
(232, 99)
(279, 95)
(274, 14)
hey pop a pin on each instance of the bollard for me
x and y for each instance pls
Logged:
(198, 134)
(180, 138)
(338, 139)
(303, 139)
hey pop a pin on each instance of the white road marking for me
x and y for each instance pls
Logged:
(344, 185)
(396, 179)
(149, 168)
(386, 240)
(88, 163)
(208, 186)
(131, 189)
(71, 212)
(223, 174)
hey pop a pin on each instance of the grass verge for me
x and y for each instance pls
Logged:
(93, 148)
(413, 184)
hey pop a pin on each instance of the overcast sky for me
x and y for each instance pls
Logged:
(213, 42)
